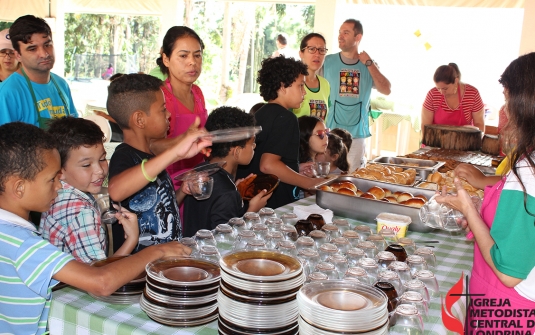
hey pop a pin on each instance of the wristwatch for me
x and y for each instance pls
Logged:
(369, 62)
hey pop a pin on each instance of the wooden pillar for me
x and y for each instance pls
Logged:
(56, 21)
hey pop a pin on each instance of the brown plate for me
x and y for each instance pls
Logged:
(184, 270)
(261, 263)
(262, 182)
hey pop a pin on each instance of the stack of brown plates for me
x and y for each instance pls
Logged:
(181, 291)
(126, 294)
(257, 293)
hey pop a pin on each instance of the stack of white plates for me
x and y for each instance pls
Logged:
(257, 293)
(342, 307)
(181, 291)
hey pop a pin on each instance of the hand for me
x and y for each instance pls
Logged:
(191, 142)
(173, 248)
(129, 222)
(308, 169)
(461, 201)
(363, 57)
(472, 175)
(259, 201)
(184, 188)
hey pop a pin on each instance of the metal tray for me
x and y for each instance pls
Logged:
(425, 167)
(366, 210)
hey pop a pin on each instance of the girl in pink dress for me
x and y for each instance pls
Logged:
(504, 232)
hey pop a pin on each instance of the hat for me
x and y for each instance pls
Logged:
(5, 41)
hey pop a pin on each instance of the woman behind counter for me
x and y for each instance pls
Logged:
(312, 53)
(453, 102)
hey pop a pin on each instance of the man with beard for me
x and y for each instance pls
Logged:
(8, 62)
(33, 94)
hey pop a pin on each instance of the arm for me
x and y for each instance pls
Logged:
(105, 280)
(479, 120)
(131, 232)
(381, 83)
(272, 164)
(474, 176)
(259, 201)
(427, 118)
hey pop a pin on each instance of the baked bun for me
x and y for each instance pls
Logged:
(377, 174)
(421, 197)
(326, 188)
(413, 202)
(390, 179)
(349, 185)
(336, 186)
(435, 177)
(404, 197)
(358, 193)
(368, 196)
(396, 169)
(392, 199)
(400, 178)
(387, 192)
(346, 191)
(378, 192)
(369, 177)
(428, 185)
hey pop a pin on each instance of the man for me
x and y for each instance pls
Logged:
(352, 75)
(33, 94)
(8, 62)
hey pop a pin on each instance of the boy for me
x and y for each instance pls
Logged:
(282, 83)
(73, 222)
(225, 201)
(30, 266)
(137, 177)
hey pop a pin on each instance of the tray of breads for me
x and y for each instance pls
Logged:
(423, 167)
(437, 180)
(388, 174)
(452, 158)
(363, 200)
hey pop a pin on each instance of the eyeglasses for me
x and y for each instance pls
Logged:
(313, 50)
(322, 133)
(7, 52)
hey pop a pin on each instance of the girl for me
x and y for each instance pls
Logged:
(312, 53)
(504, 231)
(336, 154)
(313, 138)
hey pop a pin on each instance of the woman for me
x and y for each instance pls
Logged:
(453, 102)
(109, 72)
(505, 230)
(8, 63)
(312, 53)
(181, 61)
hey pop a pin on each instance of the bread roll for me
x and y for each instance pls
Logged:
(413, 202)
(326, 188)
(368, 196)
(378, 192)
(349, 185)
(400, 178)
(392, 199)
(435, 177)
(358, 193)
(336, 186)
(390, 179)
(346, 191)
(396, 169)
(404, 197)
(377, 174)
(428, 185)
(368, 177)
(387, 192)
(421, 197)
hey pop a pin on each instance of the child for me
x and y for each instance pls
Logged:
(282, 83)
(345, 135)
(30, 266)
(137, 177)
(225, 201)
(312, 138)
(73, 221)
(336, 154)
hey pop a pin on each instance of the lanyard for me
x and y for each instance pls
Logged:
(42, 123)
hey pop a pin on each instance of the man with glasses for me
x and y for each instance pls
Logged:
(33, 94)
(352, 75)
(8, 62)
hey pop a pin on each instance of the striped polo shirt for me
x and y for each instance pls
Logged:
(470, 101)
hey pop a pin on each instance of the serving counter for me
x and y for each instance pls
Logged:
(75, 312)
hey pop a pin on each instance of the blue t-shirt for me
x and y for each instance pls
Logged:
(349, 101)
(16, 102)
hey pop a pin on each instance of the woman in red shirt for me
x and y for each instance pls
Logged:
(453, 102)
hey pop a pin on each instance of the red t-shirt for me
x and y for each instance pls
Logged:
(470, 101)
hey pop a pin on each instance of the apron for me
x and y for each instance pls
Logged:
(484, 281)
(451, 118)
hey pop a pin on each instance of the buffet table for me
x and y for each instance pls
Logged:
(75, 312)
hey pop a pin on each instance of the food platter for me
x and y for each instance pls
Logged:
(251, 188)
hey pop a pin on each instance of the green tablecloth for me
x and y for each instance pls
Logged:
(75, 312)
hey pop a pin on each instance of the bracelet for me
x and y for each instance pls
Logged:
(145, 172)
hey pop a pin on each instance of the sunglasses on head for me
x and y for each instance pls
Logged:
(322, 133)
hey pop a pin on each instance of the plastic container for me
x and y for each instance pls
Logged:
(396, 222)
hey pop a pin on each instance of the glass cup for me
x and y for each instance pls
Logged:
(224, 237)
(357, 273)
(429, 256)
(364, 231)
(256, 244)
(327, 268)
(352, 236)
(305, 242)
(441, 216)
(317, 221)
(416, 263)
(303, 227)
(378, 240)
(326, 250)
(251, 218)
(205, 237)
(266, 213)
(192, 244)
(201, 186)
(416, 285)
(322, 169)
(354, 255)
(237, 224)
(273, 238)
(415, 299)
(406, 320)
(392, 278)
(260, 230)
(384, 259)
(370, 249)
(390, 292)
(407, 244)
(331, 231)
(287, 248)
(319, 237)
(340, 264)
(389, 235)
(274, 224)
(289, 232)
(342, 225)
(428, 278)
(371, 267)
(398, 251)
(244, 236)
(289, 218)
(311, 258)
(209, 253)
(316, 277)
(342, 244)
(403, 270)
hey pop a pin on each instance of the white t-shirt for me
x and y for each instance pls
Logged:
(526, 288)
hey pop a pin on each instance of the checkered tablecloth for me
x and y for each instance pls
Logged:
(75, 312)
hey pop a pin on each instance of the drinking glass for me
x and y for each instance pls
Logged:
(415, 299)
(317, 221)
(364, 231)
(389, 235)
(305, 242)
(398, 251)
(322, 169)
(352, 236)
(406, 320)
(340, 264)
(256, 244)
(354, 255)
(392, 278)
(237, 224)
(244, 236)
(357, 273)
(342, 244)
(429, 256)
(289, 232)
(428, 278)
(326, 250)
(416, 263)
(403, 270)
(416, 285)
(441, 216)
(289, 218)
(287, 248)
(266, 213)
(370, 249)
(205, 237)
(378, 240)
(342, 225)
(192, 244)
(224, 236)
(407, 244)
(371, 267)
(331, 231)
(209, 253)
(251, 218)
(260, 230)
(201, 186)
(317, 276)
(319, 237)
(274, 224)
(311, 258)
(327, 268)
(390, 292)
(303, 227)
(273, 238)
(384, 259)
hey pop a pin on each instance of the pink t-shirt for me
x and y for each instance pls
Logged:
(470, 101)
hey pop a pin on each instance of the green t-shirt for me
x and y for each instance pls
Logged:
(156, 72)
(316, 101)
